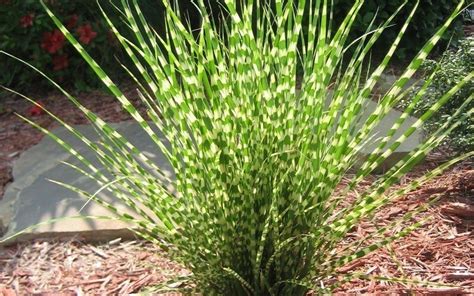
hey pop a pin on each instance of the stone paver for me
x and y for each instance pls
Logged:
(32, 199)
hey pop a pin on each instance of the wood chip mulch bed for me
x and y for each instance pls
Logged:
(72, 267)
(441, 251)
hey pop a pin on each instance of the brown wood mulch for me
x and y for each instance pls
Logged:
(440, 251)
(72, 267)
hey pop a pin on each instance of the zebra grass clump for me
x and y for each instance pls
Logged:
(255, 208)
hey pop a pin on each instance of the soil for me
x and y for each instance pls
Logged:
(440, 251)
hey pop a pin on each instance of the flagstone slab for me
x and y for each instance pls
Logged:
(32, 199)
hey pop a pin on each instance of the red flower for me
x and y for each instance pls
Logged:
(86, 35)
(52, 41)
(72, 22)
(36, 110)
(26, 20)
(60, 62)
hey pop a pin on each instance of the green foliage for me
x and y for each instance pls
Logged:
(24, 38)
(252, 205)
(451, 68)
(427, 19)
(27, 32)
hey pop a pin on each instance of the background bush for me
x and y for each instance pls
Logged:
(429, 16)
(27, 32)
(452, 67)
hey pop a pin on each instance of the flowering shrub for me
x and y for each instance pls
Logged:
(27, 32)
(86, 34)
(53, 41)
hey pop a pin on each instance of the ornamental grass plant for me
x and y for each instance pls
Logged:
(257, 151)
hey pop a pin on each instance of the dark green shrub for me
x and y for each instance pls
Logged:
(428, 18)
(453, 66)
(27, 32)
